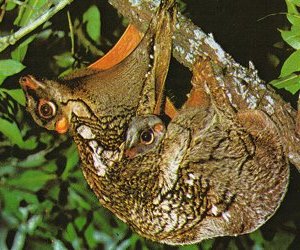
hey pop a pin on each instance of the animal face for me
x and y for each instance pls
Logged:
(45, 103)
(144, 134)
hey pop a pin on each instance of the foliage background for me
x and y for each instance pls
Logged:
(45, 202)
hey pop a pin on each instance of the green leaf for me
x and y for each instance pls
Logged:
(19, 240)
(291, 83)
(19, 53)
(64, 60)
(80, 222)
(93, 23)
(284, 81)
(89, 236)
(32, 180)
(6, 170)
(11, 201)
(293, 14)
(30, 143)
(10, 67)
(294, 88)
(66, 72)
(72, 236)
(77, 199)
(34, 160)
(72, 160)
(29, 11)
(188, 247)
(125, 244)
(258, 239)
(11, 131)
(43, 245)
(58, 245)
(281, 241)
(292, 37)
(273, 60)
(103, 238)
(3, 235)
(12, 198)
(17, 94)
(291, 65)
(207, 244)
(296, 2)
(33, 223)
(10, 6)
(2, 78)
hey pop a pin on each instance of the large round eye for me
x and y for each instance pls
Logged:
(147, 137)
(46, 109)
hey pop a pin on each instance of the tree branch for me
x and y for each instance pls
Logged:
(189, 40)
(5, 41)
(190, 43)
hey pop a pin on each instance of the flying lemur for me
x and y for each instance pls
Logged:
(216, 167)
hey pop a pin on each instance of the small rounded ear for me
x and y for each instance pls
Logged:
(62, 125)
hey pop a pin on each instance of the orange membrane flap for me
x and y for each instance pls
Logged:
(127, 43)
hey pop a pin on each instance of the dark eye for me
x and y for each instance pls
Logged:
(147, 136)
(46, 109)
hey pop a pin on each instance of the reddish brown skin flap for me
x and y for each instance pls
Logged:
(127, 43)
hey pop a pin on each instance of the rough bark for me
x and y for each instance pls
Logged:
(189, 40)
(190, 43)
